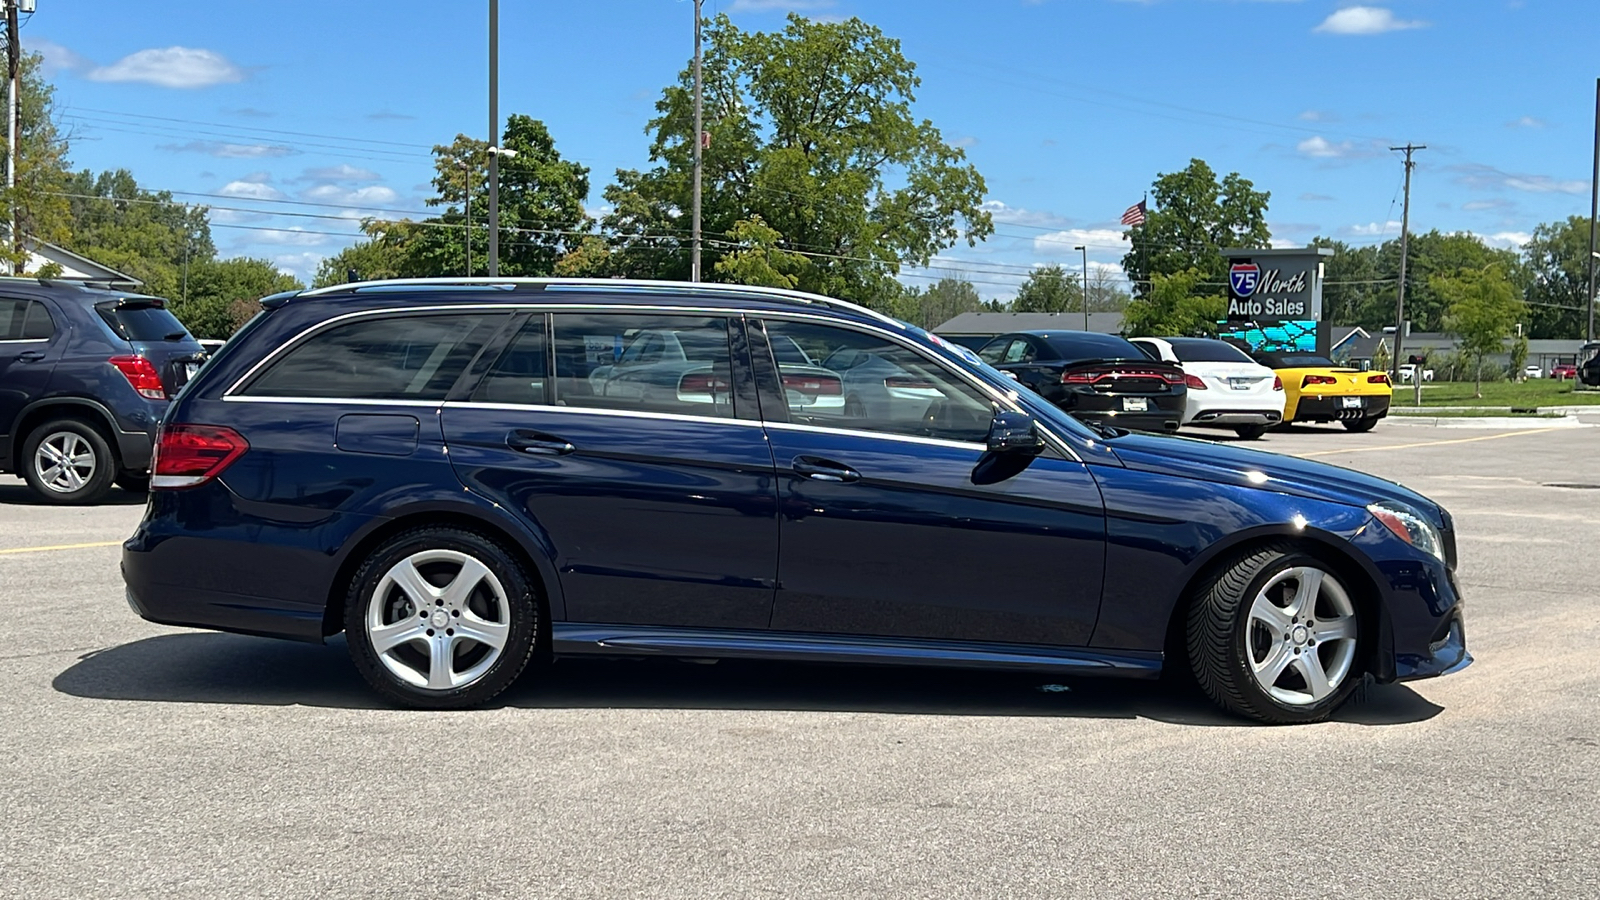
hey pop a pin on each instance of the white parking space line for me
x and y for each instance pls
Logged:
(52, 547)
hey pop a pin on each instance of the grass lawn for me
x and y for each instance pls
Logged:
(1538, 392)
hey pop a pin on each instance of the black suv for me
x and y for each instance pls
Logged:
(85, 374)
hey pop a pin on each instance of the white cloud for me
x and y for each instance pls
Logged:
(57, 59)
(172, 67)
(292, 237)
(1309, 197)
(1015, 215)
(299, 265)
(1366, 20)
(1373, 229)
(1481, 205)
(1320, 147)
(251, 190)
(226, 150)
(1508, 240)
(371, 196)
(341, 172)
(1098, 240)
(1484, 177)
(1318, 115)
(964, 142)
(1526, 122)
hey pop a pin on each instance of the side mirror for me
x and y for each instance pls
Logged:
(1014, 433)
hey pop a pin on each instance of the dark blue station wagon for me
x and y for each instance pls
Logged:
(463, 475)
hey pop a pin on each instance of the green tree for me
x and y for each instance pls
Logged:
(1049, 289)
(143, 233)
(222, 294)
(1482, 308)
(1558, 278)
(384, 254)
(37, 199)
(939, 303)
(812, 130)
(1195, 217)
(1104, 294)
(1437, 253)
(1175, 307)
(755, 257)
(1353, 291)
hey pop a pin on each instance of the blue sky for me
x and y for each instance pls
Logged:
(1069, 108)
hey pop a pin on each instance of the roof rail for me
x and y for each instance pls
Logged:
(616, 285)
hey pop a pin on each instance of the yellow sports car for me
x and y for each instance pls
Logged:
(1317, 389)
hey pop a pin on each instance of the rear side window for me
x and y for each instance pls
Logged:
(518, 375)
(25, 320)
(645, 363)
(133, 321)
(394, 358)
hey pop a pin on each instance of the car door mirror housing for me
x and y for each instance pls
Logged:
(1015, 433)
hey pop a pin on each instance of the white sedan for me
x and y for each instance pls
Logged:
(1226, 387)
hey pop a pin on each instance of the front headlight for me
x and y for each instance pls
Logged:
(1409, 526)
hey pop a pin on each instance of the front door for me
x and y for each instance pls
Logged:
(895, 520)
(652, 481)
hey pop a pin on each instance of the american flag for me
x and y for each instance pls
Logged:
(1134, 215)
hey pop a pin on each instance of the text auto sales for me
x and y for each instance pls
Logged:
(1271, 283)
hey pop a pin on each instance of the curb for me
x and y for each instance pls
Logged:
(1502, 423)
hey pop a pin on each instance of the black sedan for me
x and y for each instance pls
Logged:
(1098, 378)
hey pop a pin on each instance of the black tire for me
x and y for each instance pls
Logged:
(1360, 426)
(134, 482)
(1250, 432)
(521, 606)
(1219, 632)
(48, 484)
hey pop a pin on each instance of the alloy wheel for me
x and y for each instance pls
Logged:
(65, 462)
(1300, 637)
(438, 620)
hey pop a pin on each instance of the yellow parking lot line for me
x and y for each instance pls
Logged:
(1484, 437)
(60, 547)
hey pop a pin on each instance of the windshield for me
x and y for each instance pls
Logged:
(1202, 350)
(1036, 405)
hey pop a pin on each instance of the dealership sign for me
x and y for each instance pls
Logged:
(1275, 285)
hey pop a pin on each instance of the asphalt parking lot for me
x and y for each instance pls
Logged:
(138, 760)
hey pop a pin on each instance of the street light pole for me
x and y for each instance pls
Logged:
(1400, 296)
(1085, 250)
(1594, 207)
(694, 259)
(466, 183)
(13, 126)
(494, 143)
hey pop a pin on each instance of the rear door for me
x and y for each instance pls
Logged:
(652, 479)
(30, 345)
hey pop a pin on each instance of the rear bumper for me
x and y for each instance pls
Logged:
(1332, 409)
(1237, 417)
(1163, 413)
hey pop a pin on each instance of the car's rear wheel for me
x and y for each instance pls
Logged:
(1250, 432)
(67, 461)
(1276, 637)
(1360, 425)
(441, 617)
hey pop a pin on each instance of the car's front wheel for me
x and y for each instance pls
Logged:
(441, 617)
(1276, 637)
(67, 461)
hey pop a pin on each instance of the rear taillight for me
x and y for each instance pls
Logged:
(1277, 383)
(1194, 383)
(703, 383)
(142, 374)
(908, 382)
(1076, 378)
(1178, 378)
(1379, 378)
(187, 455)
(1318, 379)
(814, 384)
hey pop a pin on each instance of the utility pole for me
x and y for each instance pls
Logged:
(13, 126)
(1594, 207)
(1085, 249)
(1400, 296)
(694, 259)
(466, 181)
(494, 147)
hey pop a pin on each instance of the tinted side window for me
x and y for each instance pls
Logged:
(1020, 351)
(888, 389)
(645, 363)
(994, 352)
(25, 320)
(391, 358)
(518, 375)
(141, 320)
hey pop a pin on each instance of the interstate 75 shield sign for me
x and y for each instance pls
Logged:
(1243, 278)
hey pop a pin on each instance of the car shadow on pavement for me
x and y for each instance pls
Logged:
(222, 668)
(22, 495)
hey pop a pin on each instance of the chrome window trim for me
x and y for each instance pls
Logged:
(344, 401)
(885, 435)
(26, 340)
(598, 411)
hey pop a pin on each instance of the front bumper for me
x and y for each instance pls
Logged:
(1445, 656)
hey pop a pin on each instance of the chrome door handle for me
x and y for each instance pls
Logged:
(30, 356)
(818, 469)
(536, 442)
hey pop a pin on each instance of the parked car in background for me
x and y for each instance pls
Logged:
(1320, 390)
(1224, 385)
(1099, 378)
(1408, 371)
(1532, 371)
(397, 461)
(1563, 371)
(85, 375)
